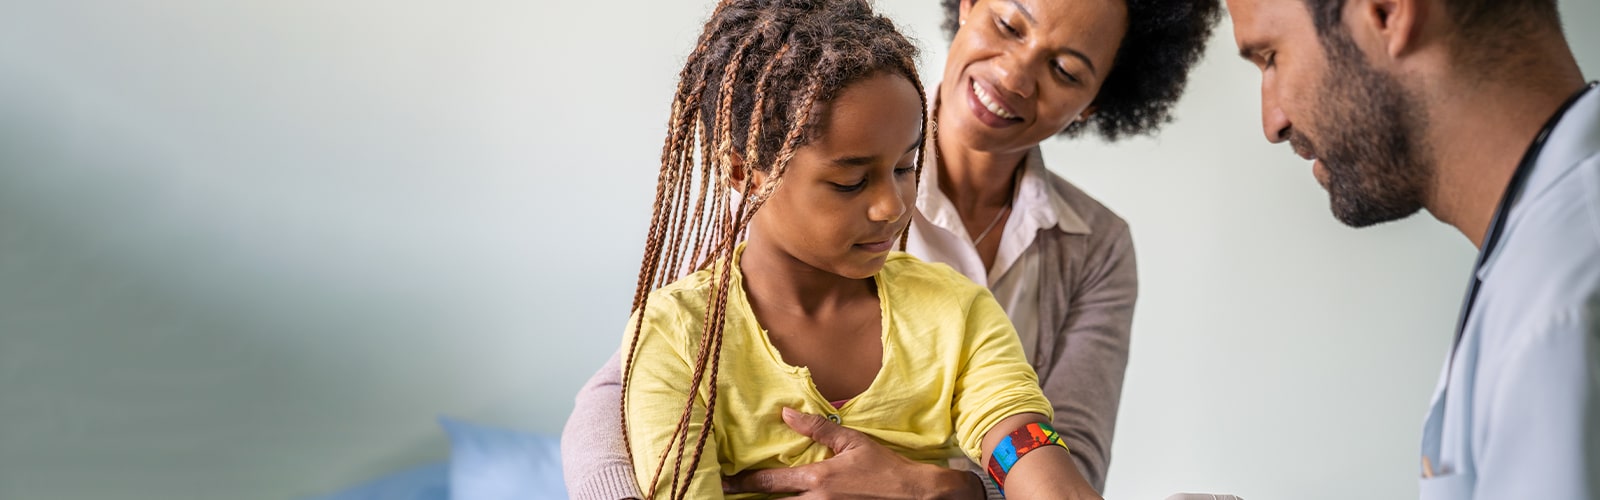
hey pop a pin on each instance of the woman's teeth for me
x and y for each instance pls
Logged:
(988, 102)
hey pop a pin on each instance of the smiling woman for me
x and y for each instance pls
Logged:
(1018, 73)
(1160, 41)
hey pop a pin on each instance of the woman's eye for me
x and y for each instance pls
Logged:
(1272, 58)
(905, 170)
(1061, 70)
(1006, 26)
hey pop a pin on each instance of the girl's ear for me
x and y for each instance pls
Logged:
(736, 172)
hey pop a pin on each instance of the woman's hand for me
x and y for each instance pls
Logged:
(859, 468)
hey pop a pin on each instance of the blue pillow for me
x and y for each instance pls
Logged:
(501, 464)
(428, 482)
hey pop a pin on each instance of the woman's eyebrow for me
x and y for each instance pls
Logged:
(1086, 62)
(1024, 11)
(1065, 50)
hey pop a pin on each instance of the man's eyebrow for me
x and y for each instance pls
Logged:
(1251, 50)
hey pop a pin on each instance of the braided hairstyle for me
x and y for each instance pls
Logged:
(748, 97)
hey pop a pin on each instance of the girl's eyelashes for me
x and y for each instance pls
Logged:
(850, 188)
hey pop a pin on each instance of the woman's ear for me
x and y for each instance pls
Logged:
(1086, 114)
(966, 7)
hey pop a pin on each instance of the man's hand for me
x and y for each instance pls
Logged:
(860, 468)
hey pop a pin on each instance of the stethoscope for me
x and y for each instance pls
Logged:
(1432, 428)
(1503, 211)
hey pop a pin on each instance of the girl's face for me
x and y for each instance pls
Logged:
(1020, 71)
(848, 194)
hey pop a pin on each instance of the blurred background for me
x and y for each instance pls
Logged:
(253, 249)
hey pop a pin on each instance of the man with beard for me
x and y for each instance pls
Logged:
(1476, 111)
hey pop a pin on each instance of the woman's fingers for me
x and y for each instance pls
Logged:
(834, 436)
(789, 480)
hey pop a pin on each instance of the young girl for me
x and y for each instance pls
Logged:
(809, 122)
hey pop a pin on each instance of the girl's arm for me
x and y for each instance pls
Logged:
(661, 375)
(997, 393)
(1046, 472)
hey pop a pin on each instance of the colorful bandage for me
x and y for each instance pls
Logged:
(1030, 437)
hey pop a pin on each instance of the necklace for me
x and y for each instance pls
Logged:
(1016, 183)
(997, 217)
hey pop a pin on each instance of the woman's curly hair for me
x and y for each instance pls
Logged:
(1165, 39)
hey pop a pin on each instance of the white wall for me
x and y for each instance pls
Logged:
(251, 249)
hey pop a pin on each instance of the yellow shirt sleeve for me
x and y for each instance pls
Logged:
(656, 396)
(995, 380)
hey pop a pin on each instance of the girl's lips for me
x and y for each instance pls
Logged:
(875, 247)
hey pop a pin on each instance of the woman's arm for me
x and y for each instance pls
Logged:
(1084, 379)
(594, 459)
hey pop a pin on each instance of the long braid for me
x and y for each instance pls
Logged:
(722, 157)
(715, 315)
(687, 170)
(812, 49)
(908, 65)
(676, 156)
(685, 157)
(716, 322)
(716, 319)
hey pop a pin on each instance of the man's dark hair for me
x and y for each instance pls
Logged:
(1492, 30)
(1165, 39)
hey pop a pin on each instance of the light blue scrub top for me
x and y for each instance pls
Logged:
(1518, 417)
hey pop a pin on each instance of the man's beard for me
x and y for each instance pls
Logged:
(1368, 137)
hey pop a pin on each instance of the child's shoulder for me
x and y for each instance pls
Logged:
(687, 293)
(675, 309)
(907, 272)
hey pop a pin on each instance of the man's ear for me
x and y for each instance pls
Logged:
(1392, 26)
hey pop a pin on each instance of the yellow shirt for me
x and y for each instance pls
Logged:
(952, 369)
